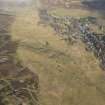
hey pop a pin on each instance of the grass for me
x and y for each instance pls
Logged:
(75, 12)
(68, 75)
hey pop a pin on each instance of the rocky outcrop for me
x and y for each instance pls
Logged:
(73, 29)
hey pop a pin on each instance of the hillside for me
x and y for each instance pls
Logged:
(68, 74)
(61, 50)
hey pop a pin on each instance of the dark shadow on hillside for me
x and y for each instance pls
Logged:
(95, 4)
(18, 85)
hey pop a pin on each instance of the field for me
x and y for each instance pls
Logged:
(74, 12)
(68, 74)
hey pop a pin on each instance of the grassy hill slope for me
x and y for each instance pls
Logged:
(68, 74)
